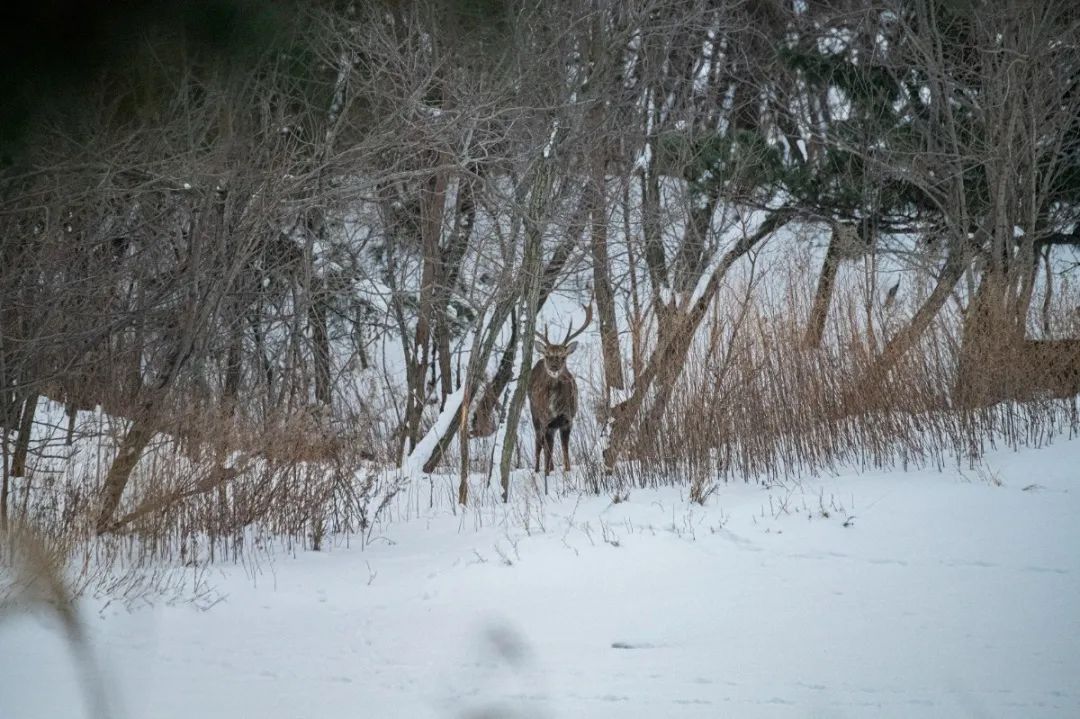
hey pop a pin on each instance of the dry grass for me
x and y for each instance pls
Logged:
(753, 403)
(222, 495)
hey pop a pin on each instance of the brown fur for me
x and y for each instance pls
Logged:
(553, 395)
(553, 402)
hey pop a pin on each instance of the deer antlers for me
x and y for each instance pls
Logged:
(571, 333)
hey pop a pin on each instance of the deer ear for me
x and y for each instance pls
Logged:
(539, 345)
(571, 347)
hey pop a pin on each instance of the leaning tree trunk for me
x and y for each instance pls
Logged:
(819, 312)
(665, 363)
(477, 362)
(131, 449)
(142, 427)
(905, 339)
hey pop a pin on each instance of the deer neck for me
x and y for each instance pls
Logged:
(561, 376)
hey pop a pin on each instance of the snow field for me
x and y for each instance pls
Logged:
(888, 594)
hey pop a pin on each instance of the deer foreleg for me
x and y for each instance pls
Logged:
(539, 444)
(549, 447)
(564, 436)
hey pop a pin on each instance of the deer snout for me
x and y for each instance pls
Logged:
(554, 365)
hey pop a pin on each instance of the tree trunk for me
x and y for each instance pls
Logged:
(432, 200)
(320, 340)
(218, 477)
(451, 265)
(1022, 307)
(596, 121)
(267, 369)
(605, 297)
(483, 418)
(815, 330)
(636, 318)
(1048, 295)
(517, 403)
(463, 439)
(995, 327)
(72, 411)
(131, 449)
(230, 396)
(531, 266)
(234, 364)
(650, 230)
(5, 478)
(26, 427)
(689, 262)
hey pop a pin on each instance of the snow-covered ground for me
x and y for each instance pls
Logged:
(925, 594)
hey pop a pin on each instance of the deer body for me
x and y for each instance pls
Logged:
(553, 401)
(553, 395)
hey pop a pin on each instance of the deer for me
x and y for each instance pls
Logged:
(553, 394)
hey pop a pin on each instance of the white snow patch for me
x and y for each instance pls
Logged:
(549, 147)
(643, 160)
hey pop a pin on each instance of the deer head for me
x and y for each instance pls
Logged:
(555, 353)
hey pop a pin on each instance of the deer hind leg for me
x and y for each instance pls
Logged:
(564, 436)
(549, 446)
(72, 413)
(539, 444)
